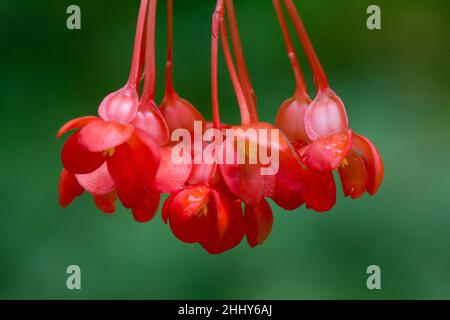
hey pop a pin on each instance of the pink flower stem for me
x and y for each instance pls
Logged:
(214, 64)
(170, 91)
(139, 44)
(242, 102)
(301, 88)
(241, 65)
(321, 80)
(150, 63)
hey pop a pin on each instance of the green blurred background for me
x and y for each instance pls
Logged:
(394, 83)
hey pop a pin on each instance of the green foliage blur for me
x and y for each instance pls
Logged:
(394, 82)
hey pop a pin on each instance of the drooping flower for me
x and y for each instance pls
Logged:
(321, 126)
(246, 180)
(127, 157)
(205, 213)
(108, 156)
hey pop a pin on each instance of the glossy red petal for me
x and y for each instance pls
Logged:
(171, 176)
(98, 182)
(326, 154)
(227, 225)
(179, 113)
(79, 160)
(189, 214)
(165, 211)
(258, 223)
(320, 191)
(373, 160)
(75, 124)
(130, 191)
(120, 106)
(248, 177)
(202, 173)
(325, 116)
(147, 209)
(245, 181)
(353, 175)
(150, 119)
(100, 135)
(290, 179)
(106, 203)
(68, 188)
(291, 119)
(145, 157)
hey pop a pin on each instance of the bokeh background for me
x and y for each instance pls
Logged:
(394, 82)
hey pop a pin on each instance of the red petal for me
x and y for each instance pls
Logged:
(258, 223)
(77, 159)
(184, 214)
(202, 173)
(75, 124)
(170, 176)
(98, 182)
(128, 188)
(179, 113)
(326, 154)
(165, 211)
(145, 157)
(320, 191)
(354, 176)
(246, 180)
(120, 106)
(69, 188)
(291, 119)
(325, 116)
(147, 210)
(290, 179)
(227, 226)
(150, 119)
(374, 163)
(102, 135)
(106, 203)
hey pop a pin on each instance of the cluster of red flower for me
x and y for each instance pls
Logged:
(126, 153)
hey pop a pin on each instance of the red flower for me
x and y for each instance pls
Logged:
(320, 128)
(108, 156)
(201, 214)
(246, 180)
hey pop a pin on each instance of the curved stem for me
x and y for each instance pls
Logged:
(170, 91)
(242, 69)
(139, 40)
(214, 64)
(242, 102)
(319, 74)
(301, 88)
(150, 63)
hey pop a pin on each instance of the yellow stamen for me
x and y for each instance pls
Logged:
(203, 211)
(247, 149)
(109, 152)
(344, 163)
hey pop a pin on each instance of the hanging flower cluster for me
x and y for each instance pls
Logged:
(126, 152)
